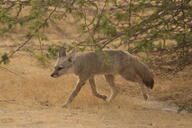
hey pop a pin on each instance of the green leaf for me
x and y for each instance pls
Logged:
(40, 57)
(4, 30)
(79, 14)
(83, 27)
(121, 16)
(52, 52)
(107, 28)
(114, 2)
(5, 58)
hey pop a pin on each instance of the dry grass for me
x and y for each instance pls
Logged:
(33, 99)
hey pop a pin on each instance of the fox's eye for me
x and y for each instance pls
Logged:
(59, 68)
(70, 60)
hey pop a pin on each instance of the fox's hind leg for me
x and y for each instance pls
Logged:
(110, 79)
(130, 75)
(94, 90)
(145, 95)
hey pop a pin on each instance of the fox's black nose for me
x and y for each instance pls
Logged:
(52, 75)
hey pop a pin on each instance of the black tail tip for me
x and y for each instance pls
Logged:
(149, 83)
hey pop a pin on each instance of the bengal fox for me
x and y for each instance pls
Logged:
(88, 64)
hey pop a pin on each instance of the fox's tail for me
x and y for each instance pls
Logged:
(144, 72)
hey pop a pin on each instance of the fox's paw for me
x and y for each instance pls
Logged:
(104, 97)
(109, 100)
(64, 106)
(145, 97)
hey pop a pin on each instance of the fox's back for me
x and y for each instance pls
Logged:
(106, 62)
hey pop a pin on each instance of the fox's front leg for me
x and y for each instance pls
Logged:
(74, 93)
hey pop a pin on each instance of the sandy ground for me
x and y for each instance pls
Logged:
(31, 99)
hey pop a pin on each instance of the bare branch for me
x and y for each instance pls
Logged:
(29, 37)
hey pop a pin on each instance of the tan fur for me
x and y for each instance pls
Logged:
(109, 62)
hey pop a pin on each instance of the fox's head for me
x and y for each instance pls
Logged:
(64, 63)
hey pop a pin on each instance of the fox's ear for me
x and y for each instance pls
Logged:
(62, 52)
(71, 55)
(73, 52)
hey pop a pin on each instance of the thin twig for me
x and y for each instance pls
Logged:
(6, 69)
(99, 18)
(30, 36)
(130, 11)
(40, 44)
(7, 101)
(19, 11)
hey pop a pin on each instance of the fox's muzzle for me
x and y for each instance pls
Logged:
(54, 75)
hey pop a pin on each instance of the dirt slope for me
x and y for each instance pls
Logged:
(31, 99)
